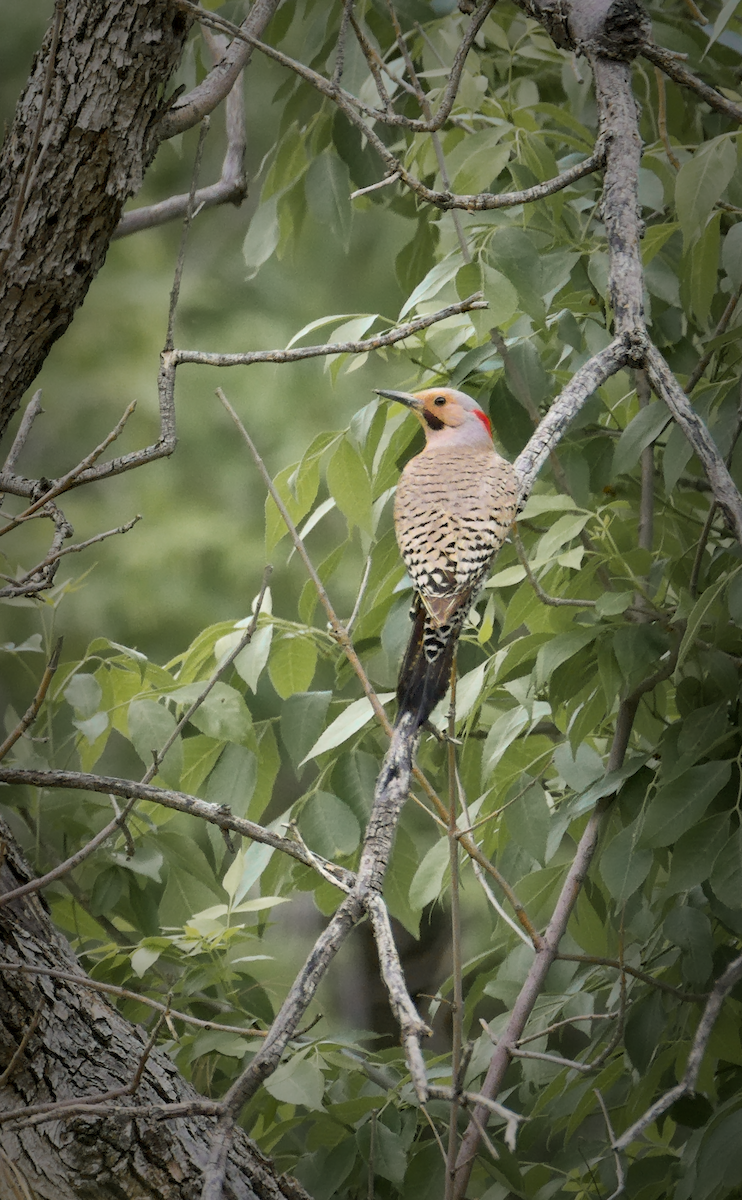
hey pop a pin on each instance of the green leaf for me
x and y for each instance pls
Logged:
(292, 664)
(528, 821)
(250, 662)
(654, 239)
(624, 866)
(427, 882)
(232, 782)
(690, 929)
(698, 614)
(261, 238)
(328, 826)
(387, 1156)
(436, 278)
(184, 895)
(731, 255)
(700, 183)
(302, 718)
(644, 429)
(500, 295)
(726, 877)
(84, 693)
(328, 189)
(719, 1167)
(695, 853)
(222, 715)
(200, 753)
(353, 718)
(349, 484)
(477, 162)
(149, 726)
(704, 266)
(297, 1082)
(514, 254)
(400, 873)
(679, 804)
(559, 650)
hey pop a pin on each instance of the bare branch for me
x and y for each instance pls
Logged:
(110, 989)
(66, 481)
(668, 62)
(412, 1027)
(197, 104)
(687, 1085)
(33, 408)
(230, 189)
(215, 814)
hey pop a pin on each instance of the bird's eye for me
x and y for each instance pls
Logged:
(439, 400)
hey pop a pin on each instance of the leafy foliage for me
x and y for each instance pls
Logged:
(578, 616)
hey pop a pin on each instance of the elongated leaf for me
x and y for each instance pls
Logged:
(623, 865)
(348, 481)
(328, 191)
(261, 238)
(698, 614)
(149, 726)
(679, 804)
(644, 429)
(353, 718)
(328, 826)
(297, 1082)
(700, 183)
(427, 883)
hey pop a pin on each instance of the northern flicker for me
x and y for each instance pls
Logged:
(454, 507)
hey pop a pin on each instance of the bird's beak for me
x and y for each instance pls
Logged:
(405, 398)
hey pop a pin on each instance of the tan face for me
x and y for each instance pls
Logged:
(439, 407)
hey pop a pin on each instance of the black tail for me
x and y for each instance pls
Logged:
(424, 678)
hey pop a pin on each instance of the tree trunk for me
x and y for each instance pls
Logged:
(70, 162)
(82, 1046)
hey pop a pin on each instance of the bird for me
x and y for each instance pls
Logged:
(454, 506)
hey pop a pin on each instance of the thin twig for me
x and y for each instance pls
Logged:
(620, 1178)
(187, 219)
(662, 118)
(544, 597)
(687, 1085)
(66, 481)
(668, 62)
(32, 711)
(121, 993)
(215, 814)
(33, 408)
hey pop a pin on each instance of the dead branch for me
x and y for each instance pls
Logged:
(676, 70)
(206, 96)
(231, 187)
(128, 789)
(687, 1085)
(111, 989)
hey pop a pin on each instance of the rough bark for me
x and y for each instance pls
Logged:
(82, 1046)
(105, 83)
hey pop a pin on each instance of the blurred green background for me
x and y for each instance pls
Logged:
(197, 556)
